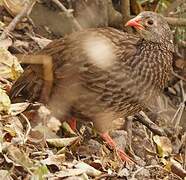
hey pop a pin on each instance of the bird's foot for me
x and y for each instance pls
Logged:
(122, 155)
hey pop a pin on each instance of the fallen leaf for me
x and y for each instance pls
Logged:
(19, 157)
(54, 124)
(13, 7)
(42, 42)
(69, 172)
(177, 168)
(89, 170)
(19, 43)
(164, 146)
(18, 108)
(10, 130)
(9, 65)
(123, 173)
(174, 167)
(40, 131)
(40, 172)
(54, 160)
(15, 128)
(5, 43)
(62, 142)
(5, 175)
(66, 127)
(36, 137)
(4, 102)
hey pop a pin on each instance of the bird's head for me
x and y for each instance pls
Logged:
(152, 27)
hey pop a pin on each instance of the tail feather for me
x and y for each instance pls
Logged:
(27, 87)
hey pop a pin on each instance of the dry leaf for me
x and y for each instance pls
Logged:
(5, 175)
(11, 131)
(62, 142)
(66, 127)
(54, 124)
(4, 102)
(54, 160)
(70, 172)
(14, 7)
(18, 108)
(15, 130)
(5, 43)
(123, 173)
(164, 146)
(89, 170)
(20, 157)
(42, 42)
(9, 65)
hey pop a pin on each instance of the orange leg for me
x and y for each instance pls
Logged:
(72, 122)
(124, 157)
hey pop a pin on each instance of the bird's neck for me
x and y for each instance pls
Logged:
(152, 65)
(158, 63)
(166, 45)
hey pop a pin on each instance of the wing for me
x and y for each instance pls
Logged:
(83, 59)
(89, 77)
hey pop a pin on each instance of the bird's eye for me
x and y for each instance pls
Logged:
(150, 22)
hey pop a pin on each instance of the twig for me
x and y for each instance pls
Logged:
(142, 118)
(176, 170)
(125, 9)
(12, 25)
(178, 76)
(28, 127)
(114, 16)
(172, 6)
(104, 176)
(128, 128)
(137, 171)
(185, 153)
(176, 21)
(182, 43)
(69, 14)
(183, 143)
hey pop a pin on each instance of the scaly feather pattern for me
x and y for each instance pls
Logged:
(102, 74)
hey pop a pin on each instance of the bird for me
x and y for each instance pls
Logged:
(101, 74)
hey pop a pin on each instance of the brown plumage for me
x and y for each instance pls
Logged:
(102, 74)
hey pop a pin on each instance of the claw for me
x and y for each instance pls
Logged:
(123, 156)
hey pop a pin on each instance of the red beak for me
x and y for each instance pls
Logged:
(135, 22)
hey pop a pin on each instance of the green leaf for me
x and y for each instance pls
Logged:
(40, 172)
